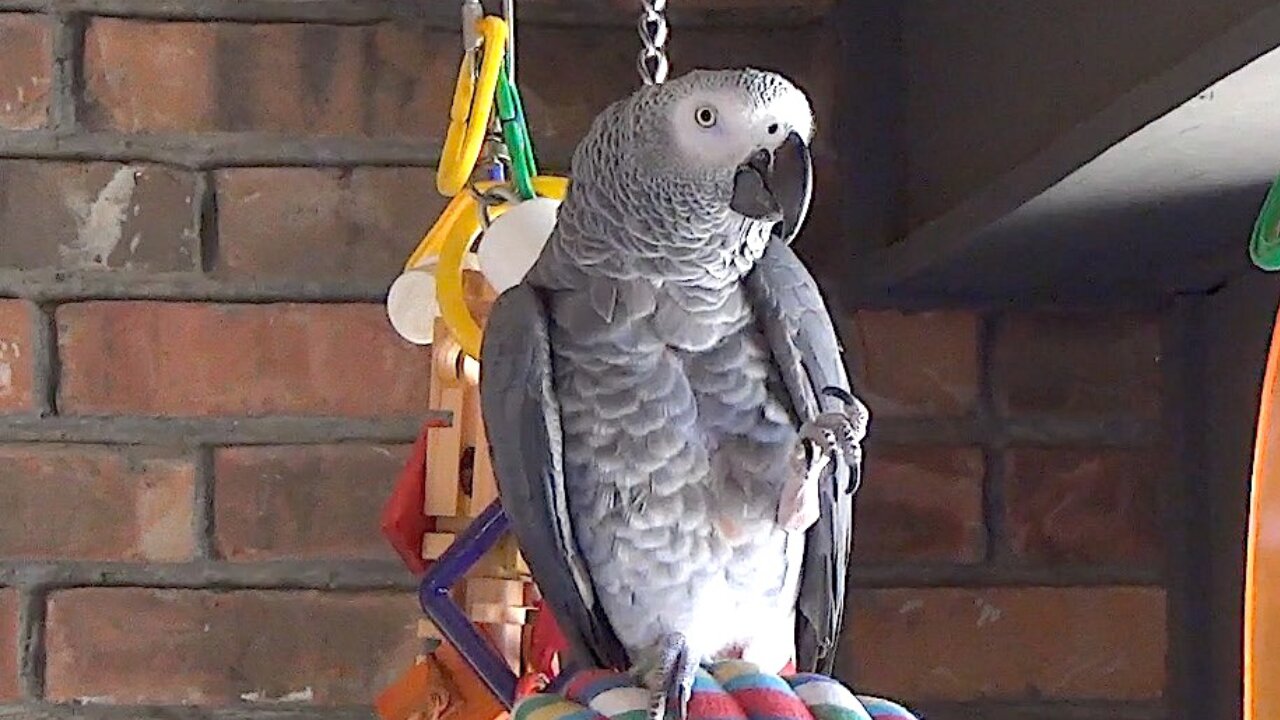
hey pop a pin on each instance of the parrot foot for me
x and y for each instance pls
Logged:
(671, 681)
(830, 436)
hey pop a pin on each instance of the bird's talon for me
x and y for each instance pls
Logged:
(840, 394)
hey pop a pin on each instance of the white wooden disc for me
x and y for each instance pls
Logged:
(412, 306)
(514, 240)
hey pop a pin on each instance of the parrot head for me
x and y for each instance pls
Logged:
(709, 149)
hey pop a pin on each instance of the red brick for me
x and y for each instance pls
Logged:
(9, 688)
(322, 225)
(95, 503)
(916, 364)
(1083, 505)
(1078, 365)
(1009, 643)
(197, 359)
(97, 215)
(25, 72)
(921, 503)
(309, 501)
(390, 80)
(287, 78)
(126, 646)
(17, 355)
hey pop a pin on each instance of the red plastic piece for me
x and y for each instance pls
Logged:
(546, 642)
(403, 520)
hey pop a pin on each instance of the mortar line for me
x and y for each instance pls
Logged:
(59, 711)
(334, 575)
(31, 641)
(67, 286)
(996, 441)
(433, 16)
(205, 206)
(1063, 709)
(68, 71)
(193, 432)
(204, 516)
(392, 576)
(230, 149)
(46, 361)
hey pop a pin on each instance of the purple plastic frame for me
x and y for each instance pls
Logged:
(479, 537)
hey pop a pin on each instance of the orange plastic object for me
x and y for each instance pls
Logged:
(1262, 573)
(440, 687)
(420, 691)
(475, 700)
(531, 684)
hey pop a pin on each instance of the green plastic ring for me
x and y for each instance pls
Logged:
(515, 133)
(1264, 245)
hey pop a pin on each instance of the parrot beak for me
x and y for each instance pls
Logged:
(776, 185)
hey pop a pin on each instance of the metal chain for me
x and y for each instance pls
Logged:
(496, 195)
(509, 14)
(653, 28)
(494, 160)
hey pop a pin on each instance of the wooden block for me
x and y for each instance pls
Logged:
(478, 294)
(502, 561)
(444, 452)
(508, 593)
(437, 351)
(435, 543)
(454, 524)
(470, 430)
(495, 614)
(526, 647)
(444, 447)
(507, 639)
(484, 486)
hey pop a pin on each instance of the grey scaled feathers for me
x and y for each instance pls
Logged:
(671, 424)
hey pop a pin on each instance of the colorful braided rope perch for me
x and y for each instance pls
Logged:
(731, 690)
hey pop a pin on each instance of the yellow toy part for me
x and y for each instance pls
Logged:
(431, 242)
(473, 98)
(458, 235)
(1262, 571)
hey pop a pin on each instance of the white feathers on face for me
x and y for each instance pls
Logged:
(715, 120)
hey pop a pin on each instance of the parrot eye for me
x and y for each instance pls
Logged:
(705, 115)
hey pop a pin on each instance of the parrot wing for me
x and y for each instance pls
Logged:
(522, 418)
(807, 354)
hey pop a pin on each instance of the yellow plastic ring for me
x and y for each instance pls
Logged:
(470, 111)
(458, 235)
(434, 239)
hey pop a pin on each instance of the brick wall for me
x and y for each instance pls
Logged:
(1011, 539)
(202, 406)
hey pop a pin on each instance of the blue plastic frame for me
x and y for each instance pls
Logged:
(433, 594)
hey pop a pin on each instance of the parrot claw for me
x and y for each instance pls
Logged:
(831, 436)
(672, 680)
(849, 429)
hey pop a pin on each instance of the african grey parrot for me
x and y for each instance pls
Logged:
(671, 425)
